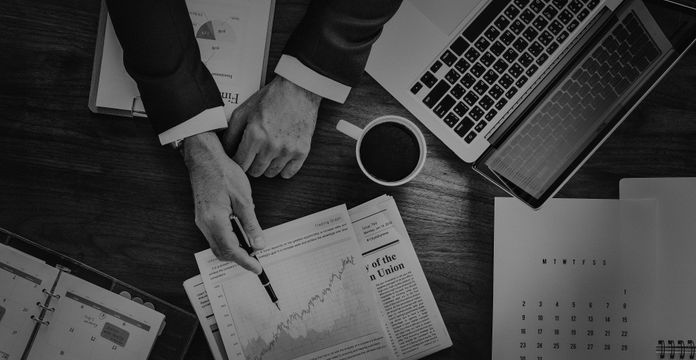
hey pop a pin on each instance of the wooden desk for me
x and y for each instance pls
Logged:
(102, 190)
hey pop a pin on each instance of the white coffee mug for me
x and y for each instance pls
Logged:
(358, 134)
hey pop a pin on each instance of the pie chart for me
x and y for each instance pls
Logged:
(219, 30)
(216, 35)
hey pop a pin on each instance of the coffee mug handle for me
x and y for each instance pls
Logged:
(349, 129)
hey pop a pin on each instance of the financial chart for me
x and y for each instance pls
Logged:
(218, 36)
(321, 299)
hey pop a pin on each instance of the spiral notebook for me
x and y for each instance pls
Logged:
(675, 289)
(55, 308)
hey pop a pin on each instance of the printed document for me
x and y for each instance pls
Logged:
(349, 285)
(407, 307)
(328, 310)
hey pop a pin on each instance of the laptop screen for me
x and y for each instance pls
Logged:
(585, 96)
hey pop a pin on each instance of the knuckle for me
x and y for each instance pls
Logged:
(256, 132)
(275, 145)
(301, 149)
(295, 151)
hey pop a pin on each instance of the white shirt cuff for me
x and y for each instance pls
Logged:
(207, 120)
(299, 74)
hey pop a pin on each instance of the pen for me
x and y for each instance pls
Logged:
(246, 245)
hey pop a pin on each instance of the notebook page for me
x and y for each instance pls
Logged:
(22, 279)
(676, 247)
(90, 322)
(563, 285)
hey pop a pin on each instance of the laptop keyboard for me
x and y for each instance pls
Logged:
(484, 67)
(567, 118)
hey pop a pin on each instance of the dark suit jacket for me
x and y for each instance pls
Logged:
(161, 54)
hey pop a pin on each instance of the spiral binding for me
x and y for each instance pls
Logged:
(55, 296)
(51, 309)
(45, 308)
(680, 350)
(42, 322)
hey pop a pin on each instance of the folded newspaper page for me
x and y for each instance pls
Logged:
(407, 307)
(323, 306)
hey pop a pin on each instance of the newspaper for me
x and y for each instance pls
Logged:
(407, 307)
(409, 323)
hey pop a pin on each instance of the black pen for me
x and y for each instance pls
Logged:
(246, 245)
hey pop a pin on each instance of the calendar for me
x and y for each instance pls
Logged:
(46, 313)
(574, 280)
(106, 325)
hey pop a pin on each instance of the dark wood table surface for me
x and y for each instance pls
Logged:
(102, 190)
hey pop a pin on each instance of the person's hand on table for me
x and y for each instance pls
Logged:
(271, 132)
(220, 189)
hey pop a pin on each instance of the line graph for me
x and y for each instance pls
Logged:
(283, 327)
(321, 298)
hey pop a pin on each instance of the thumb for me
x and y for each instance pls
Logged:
(251, 226)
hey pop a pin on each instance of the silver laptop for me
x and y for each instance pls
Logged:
(526, 90)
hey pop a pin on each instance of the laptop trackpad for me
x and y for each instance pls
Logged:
(445, 14)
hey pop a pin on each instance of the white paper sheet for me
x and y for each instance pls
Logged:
(676, 250)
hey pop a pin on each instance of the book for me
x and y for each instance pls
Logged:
(349, 286)
(233, 37)
(569, 280)
(52, 307)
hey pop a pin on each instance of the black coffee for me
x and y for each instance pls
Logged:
(389, 151)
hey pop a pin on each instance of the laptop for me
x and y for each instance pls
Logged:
(526, 90)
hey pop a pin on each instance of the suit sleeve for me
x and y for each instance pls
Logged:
(335, 36)
(161, 54)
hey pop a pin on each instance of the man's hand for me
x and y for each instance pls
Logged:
(220, 189)
(271, 132)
